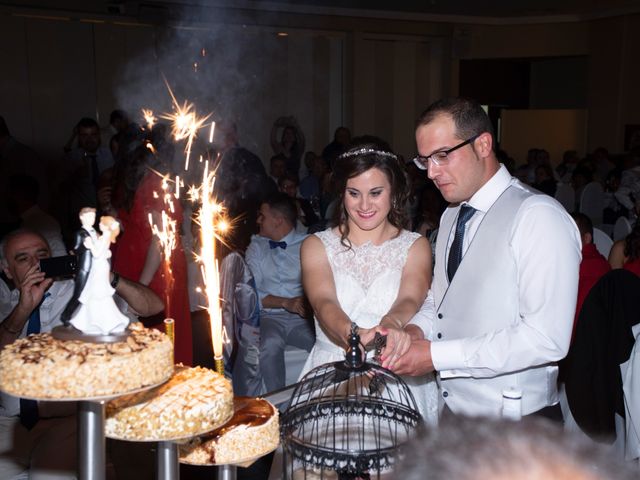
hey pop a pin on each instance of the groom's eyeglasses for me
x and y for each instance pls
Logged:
(440, 159)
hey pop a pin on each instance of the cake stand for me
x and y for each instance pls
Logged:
(167, 459)
(91, 438)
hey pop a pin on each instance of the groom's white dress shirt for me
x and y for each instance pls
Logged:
(506, 318)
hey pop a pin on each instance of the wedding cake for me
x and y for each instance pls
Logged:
(43, 367)
(194, 401)
(253, 431)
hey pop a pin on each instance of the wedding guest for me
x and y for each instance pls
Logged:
(137, 196)
(339, 144)
(534, 449)
(22, 199)
(17, 158)
(306, 216)
(37, 439)
(277, 167)
(274, 259)
(80, 174)
(291, 143)
(367, 269)
(593, 264)
(506, 273)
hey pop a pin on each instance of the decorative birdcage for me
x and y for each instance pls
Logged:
(347, 420)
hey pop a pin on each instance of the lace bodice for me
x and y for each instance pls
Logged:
(367, 277)
(367, 262)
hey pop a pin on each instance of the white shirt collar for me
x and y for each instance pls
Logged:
(484, 198)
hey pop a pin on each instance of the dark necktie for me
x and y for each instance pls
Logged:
(455, 253)
(29, 408)
(273, 244)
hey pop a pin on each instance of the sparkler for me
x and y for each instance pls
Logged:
(211, 221)
(165, 232)
(210, 218)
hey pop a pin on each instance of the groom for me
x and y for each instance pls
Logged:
(503, 297)
(87, 219)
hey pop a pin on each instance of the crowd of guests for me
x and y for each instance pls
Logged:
(348, 235)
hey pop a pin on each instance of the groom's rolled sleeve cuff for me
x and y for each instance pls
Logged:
(448, 358)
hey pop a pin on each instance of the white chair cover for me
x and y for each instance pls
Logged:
(566, 196)
(592, 202)
(603, 242)
(241, 319)
(621, 228)
(630, 371)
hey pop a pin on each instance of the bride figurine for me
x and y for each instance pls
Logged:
(98, 313)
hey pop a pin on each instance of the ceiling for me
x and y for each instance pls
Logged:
(421, 10)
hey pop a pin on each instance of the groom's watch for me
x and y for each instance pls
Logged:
(115, 280)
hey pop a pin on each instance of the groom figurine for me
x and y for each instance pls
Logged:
(87, 219)
(503, 297)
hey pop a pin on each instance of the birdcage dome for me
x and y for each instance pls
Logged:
(347, 419)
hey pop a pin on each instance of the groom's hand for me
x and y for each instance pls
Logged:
(416, 361)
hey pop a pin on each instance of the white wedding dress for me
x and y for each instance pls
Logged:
(367, 280)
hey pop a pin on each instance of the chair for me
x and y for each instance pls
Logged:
(603, 242)
(631, 390)
(592, 202)
(603, 342)
(241, 320)
(566, 196)
(621, 228)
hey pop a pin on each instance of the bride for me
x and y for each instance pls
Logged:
(98, 313)
(368, 269)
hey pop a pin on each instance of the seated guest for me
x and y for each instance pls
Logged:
(544, 180)
(632, 250)
(277, 167)
(274, 259)
(340, 143)
(593, 264)
(35, 438)
(22, 199)
(310, 184)
(306, 216)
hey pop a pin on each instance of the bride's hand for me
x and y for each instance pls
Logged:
(398, 343)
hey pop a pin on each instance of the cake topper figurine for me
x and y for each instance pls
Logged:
(87, 219)
(98, 313)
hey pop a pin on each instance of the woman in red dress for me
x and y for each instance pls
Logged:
(137, 195)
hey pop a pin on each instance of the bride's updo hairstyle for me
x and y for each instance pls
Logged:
(357, 160)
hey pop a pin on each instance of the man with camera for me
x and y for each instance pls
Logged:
(43, 443)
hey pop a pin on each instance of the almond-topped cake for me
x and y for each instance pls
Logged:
(194, 401)
(41, 366)
(253, 431)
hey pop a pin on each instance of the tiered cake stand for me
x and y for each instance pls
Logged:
(91, 438)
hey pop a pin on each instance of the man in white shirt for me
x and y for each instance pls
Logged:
(500, 311)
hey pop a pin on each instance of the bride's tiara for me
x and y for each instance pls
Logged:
(367, 151)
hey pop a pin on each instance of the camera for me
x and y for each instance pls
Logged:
(65, 266)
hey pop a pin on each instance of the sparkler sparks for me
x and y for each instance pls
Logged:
(185, 123)
(149, 118)
(208, 218)
(166, 232)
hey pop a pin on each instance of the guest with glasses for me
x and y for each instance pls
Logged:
(506, 274)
